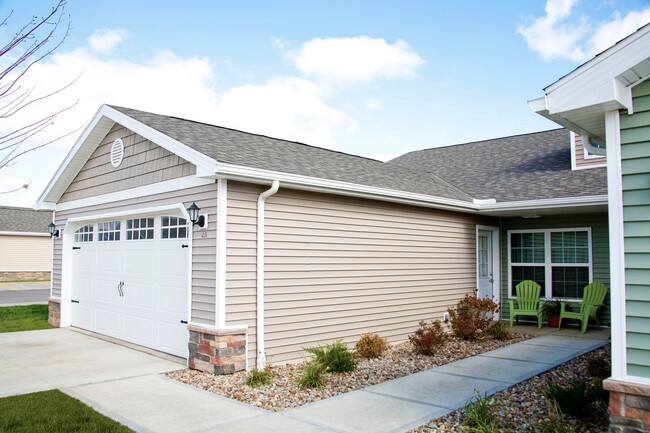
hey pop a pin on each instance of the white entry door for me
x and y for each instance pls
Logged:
(484, 264)
(130, 281)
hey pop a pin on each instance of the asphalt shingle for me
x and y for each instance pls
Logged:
(23, 219)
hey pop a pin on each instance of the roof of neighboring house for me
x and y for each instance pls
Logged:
(24, 220)
(522, 167)
(258, 151)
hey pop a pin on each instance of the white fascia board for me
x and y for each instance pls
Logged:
(92, 135)
(36, 234)
(550, 203)
(307, 183)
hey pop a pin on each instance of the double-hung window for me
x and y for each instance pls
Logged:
(559, 260)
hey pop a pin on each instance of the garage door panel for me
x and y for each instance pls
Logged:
(139, 295)
(139, 330)
(107, 322)
(108, 261)
(107, 291)
(141, 261)
(169, 336)
(83, 316)
(83, 261)
(173, 262)
(83, 288)
(172, 299)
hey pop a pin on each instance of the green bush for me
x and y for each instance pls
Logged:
(334, 357)
(499, 330)
(371, 346)
(472, 316)
(479, 416)
(575, 399)
(313, 376)
(599, 368)
(427, 337)
(258, 378)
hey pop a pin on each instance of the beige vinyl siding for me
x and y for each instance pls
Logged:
(144, 163)
(25, 253)
(337, 267)
(579, 156)
(203, 249)
(635, 156)
(599, 245)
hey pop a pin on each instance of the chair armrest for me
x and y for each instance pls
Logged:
(511, 303)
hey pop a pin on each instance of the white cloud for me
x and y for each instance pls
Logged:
(373, 104)
(106, 40)
(562, 33)
(350, 60)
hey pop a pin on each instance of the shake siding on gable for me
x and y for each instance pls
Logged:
(144, 163)
(337, 267)
(635, 156)
(599, 242)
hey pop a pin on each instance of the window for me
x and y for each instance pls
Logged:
(173, 227)
(84, 234)
(108, 231)
(558, 260)
(139, 228)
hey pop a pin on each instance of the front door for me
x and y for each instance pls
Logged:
(484, 264)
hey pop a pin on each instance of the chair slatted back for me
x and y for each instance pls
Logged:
(527, 295)
(594, 294)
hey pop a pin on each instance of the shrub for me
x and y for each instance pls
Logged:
(371, 346)
(258, 377)
(335, 357)
(574, 399)
(313, 376)
(479, 416)
(472, 316)
(599, 368)
(427, 337)
(499, 331)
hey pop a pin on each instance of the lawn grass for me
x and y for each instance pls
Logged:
(23, 318)
(52, 411)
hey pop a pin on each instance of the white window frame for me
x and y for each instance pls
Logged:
(127, 229)
(101, 231)
(175, 226)
(80, 233)
(548, 264)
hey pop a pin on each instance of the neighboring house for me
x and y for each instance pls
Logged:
(25, 244)
(607, 101)
(304, 245)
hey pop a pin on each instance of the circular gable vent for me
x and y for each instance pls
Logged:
(117, 153)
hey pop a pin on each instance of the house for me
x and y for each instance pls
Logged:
(607, 102)
(299, 245)
(25, 245)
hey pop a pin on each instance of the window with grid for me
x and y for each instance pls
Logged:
(558, 260)
(173, 227)
(139, 228)
(108, 231)
(84, 234)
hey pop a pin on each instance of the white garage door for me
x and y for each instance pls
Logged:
(130, 280)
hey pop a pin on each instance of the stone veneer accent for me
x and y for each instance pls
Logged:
(54, 312)
(26, 275)
(217, 351)
(629, 407)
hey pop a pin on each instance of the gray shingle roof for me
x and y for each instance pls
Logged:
(523, 167)
(22, 219)
(258, 151)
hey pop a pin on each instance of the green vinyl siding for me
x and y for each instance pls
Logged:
(635, 165)
(599, 244)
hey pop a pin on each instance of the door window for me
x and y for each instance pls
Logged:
(139, 228)
(172, 227)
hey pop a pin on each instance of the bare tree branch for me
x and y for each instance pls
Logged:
(31, 44)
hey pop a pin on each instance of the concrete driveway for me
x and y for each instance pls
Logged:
(60, 358)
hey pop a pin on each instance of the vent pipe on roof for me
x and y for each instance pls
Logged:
(261, 350)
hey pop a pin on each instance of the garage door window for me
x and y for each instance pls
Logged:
(108, 231)
(84, 234)
(139, 228)
(173, 227)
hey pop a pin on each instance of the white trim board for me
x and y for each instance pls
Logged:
(25, 234)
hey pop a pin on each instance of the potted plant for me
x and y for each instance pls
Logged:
(551, 311)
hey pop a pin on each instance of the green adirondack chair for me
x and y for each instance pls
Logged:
(592, 300)
(527, 301)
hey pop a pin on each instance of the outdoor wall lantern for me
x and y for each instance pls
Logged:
(196, 219)
(51, 228)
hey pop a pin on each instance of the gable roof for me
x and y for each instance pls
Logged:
(24, 220)
(533, 166)
(229, 146)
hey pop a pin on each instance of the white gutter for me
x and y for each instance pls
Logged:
(549, 203)
(261, 350)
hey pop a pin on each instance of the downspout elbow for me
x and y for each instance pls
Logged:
(261, 349)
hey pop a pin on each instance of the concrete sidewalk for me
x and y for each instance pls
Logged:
(152, 403)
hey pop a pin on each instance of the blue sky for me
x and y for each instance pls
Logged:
(373, 78)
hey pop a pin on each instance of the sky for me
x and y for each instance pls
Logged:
(371, 78)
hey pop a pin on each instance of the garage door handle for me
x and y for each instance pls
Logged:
(119, 288)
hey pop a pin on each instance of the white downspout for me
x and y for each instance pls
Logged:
(261, 350)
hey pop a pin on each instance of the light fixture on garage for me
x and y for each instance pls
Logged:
(51, 228)
(196, 219)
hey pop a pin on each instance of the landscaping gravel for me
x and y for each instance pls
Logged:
(523, 407)
(284, 393)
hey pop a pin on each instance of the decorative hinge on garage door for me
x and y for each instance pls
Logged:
(184, 322)
(184, 246)
(76, 248)
(74, 301)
